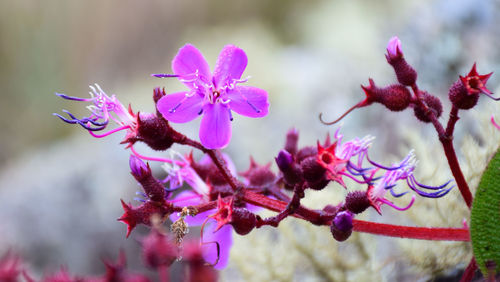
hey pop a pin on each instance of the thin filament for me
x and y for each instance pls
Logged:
(341, 117)
(109, 132)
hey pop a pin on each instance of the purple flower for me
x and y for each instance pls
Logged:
(214, 95)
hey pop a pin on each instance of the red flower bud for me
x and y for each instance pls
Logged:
(243, 221)
(432, 102)
(142, 173)
(158, 249)
(357, 201)
(405, 73)
(395, 97)
(314, 173)
(464, 93)
(258, 175)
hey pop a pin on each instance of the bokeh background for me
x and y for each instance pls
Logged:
(60, 188)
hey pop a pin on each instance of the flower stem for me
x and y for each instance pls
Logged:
(469, 271)
(446, 139)
(422, 233)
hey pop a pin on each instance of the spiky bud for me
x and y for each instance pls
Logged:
(395, 97)
(243, 221)
(405, 73)
(357, 201)
(142, 173)
(460, 98)
(314, 173)
(432, 102)
(154, 131)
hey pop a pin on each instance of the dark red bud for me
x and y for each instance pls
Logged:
(209, 171)
(243, 221)
(142, 214)
(432, 102)
(292, 139)
(314, 173)
(357, 201)
(158, 250)
(155, 132)
(460, 97)
(142, 173)
(341, 226)
(405, 73)
(395, 97)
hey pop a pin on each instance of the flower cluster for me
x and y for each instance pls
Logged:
(212, 193)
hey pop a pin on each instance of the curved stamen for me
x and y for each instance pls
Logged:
(64, 96)
(491, 97)
(494, 122)
(353, 178)
(109, 132)
(154, 158)
(163, 75)
(414, 181)
(211, 242)
(396, 195)
(389, 203)
(341, 117)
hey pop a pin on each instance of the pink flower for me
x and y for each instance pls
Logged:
(394, 48)
(214, 95)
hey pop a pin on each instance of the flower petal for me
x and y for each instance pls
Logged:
(188, 62)
(215, 127)
(230, 65)
(224, 237)
(248, 101)
(178, 107)
(189, 198)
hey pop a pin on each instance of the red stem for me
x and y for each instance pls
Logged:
(469, 271)
(446, 139)
(422, 233)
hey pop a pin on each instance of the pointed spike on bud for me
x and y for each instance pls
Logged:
(292, 139)
(128, 218)
(158, 93)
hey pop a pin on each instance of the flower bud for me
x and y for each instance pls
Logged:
(243, 221)
(464, 93)
(432, 102)
(405, 73)
(158, 250)
(341, 226)
(395, 97)
(292, 139)
(460, 98)
(154, 131)
(314, 173)
(258, 175)
(292, 173)
(142, 173)
(357, 201)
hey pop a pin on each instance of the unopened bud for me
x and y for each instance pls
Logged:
(357, 201)
(292, 139)
(243, 221)
(404, 72)
(434, 105)
(395, 97)
(341, 226)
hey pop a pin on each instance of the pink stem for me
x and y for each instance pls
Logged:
(109, 132)
(163, 160)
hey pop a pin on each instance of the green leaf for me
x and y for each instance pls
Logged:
(485, 217)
